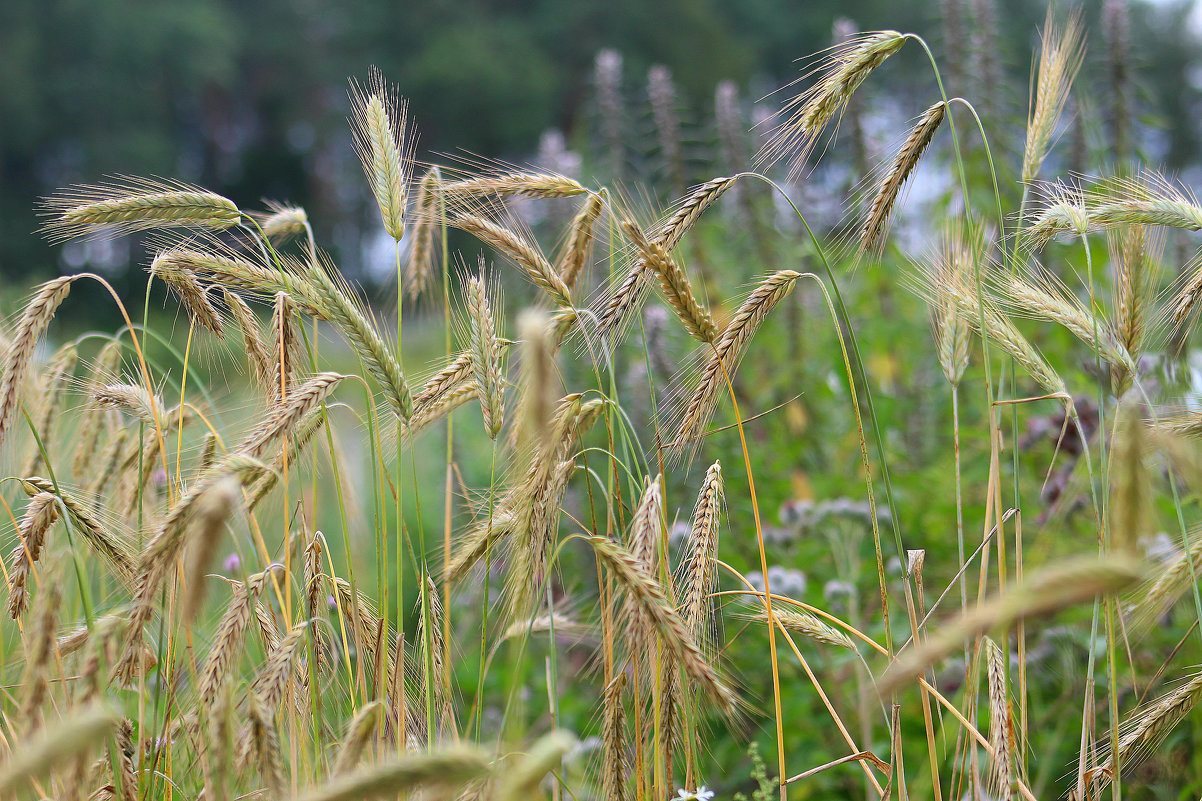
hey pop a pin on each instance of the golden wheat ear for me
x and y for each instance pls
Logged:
(1060, 58)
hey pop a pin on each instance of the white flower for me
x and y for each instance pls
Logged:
(700, 794)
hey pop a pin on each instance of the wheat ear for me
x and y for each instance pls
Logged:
(183, 282)
(359, 733)
(673, 634)
(1001, 726)
(677, 288)
(40, 514)
(73, 737)
(809, 626)
(520, 782)
(613, 739)
(283, 222)
(900, 170)
(702, 548)
(421, 252)
(1060, 57)
(57, 374)
(668, 234)
(518, 249)
(509, 184)
(580, 240)
(486, 355)
(439, 770)
(381, 140)
(134, 205)
(24, 339)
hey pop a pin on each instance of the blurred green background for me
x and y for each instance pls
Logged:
(250, 98)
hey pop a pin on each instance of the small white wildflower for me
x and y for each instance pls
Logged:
(700, 794)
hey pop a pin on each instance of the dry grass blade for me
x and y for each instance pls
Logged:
(900, 170)
(1041, 593)
(382, 143)
(74, 736)
(726, 354)
(441, 770)
(134, 205)
(24, 340)
(1059, 59)
(673, 634)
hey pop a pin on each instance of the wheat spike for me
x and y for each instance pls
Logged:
(40, 514)
(702, 548)
(508, 184)
(88, 435)
(439, 770)
(74, 736)
(900, 170)
(57, 375)
(425, 218)
(1001, 732)
(677, 288)
(266, 741)
(381, 140)
(134, 205)
(672, 632)
(359, 733)
(808, 625)
(1060, 57)
(283, 222)
(726, 354)
(668, 234)
(520, 782)
(518, 249)
(847, 66)
(183, 282)
(107, 543)
(24, 339)
(613, 738)
(486, 355)
(580, 240)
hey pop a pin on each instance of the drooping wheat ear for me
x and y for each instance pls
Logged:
(183, 283)
(301, 436)
(1001, 728)
(39, 647)
(952, 262)
(623, 299)
(518, 249)
(510, 184)
(455, 373)
(563, 626)
(613, 739)
(109, 544)
(87, 438)
(266, 740)
(607, 79)
(669, 233)
(661, 91)
(900, 170)
(1063, 212)
(520, 781)
(486, 354)
(643, 542)
(213, 508)
(283, 222)
(425, 221)
(252, 338)
(1147, 727)
(384, 147)
(285, 416)
(1060, 57)
(288, 348)
(1131, 495)
(134, 204)
(123, 756)
(677, 288)
(702, 548)
(726, 354)
(580, 241)
(219, 754)
(226, 643)
(55, 379)
(440, 407)
(673, 634)
(272, 682)
(998, 329)
(342, 308)
(807, 625)
(359, 733)
(24, 339)
(443, 770)
(1056, 587)
(847, 66)
(234, 271)
(1042, 295)
(40, 514)
(1147, 199)
(132, 399)
(75, 736)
